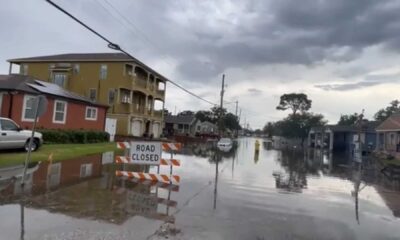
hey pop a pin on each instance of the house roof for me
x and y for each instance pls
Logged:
(16, 82)
(391, 123)
(179, 119)
(368, 126)
(85, 57)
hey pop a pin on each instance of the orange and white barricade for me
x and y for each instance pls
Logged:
(173, 179)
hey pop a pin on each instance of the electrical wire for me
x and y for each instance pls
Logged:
(115, 46)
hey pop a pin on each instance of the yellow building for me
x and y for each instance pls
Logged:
(129, 87)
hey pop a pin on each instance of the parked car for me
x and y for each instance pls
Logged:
(14, 137)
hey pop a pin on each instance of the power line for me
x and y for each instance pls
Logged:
(115, 46)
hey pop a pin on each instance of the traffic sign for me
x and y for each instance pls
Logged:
(145, 153)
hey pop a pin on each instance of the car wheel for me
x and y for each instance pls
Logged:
(34, 147)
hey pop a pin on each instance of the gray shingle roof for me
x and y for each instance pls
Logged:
(86, 57)
(179, 119)
(16, 82)
(73, 57)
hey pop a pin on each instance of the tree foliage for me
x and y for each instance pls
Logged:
(298, 126)
(348, 119)
(297, 102)
(229, 120)
(269, 129)
(384, 113)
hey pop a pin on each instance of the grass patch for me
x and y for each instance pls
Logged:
(59, 152)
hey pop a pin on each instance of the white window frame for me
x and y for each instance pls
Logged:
(86, 170)
(76, 68)
(24, 119)
(65, 78)
(103, 75)
(24, 69)
(90, 118)
(65, 111)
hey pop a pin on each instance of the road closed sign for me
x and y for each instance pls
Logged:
(145, 153)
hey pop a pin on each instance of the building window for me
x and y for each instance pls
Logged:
(103, 72)
(60, 79)
(28, 113)
(93, 94)
(91, 113)
(76, 68)
(60, 112)
(24, 69)
(111, 96)
(86, 170)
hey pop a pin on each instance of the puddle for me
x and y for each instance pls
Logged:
(239, 194)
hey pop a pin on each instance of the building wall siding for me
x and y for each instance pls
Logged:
(75, 118)
(89, 78)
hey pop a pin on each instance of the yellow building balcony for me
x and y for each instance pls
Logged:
(157, 113)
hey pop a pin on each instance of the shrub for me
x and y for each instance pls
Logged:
(73, 136)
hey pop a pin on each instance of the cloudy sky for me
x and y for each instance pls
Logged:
(344, 55)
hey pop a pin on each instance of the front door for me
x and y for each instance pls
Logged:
(111, 127)
(156, 130)
(136, 128)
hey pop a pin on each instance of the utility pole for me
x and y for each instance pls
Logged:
(236, 114)
(359, 153)
(222, 104)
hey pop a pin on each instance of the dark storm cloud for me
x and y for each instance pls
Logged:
(205, 38)
(347, 86)
(369, 81)
(288, 32)
(254, 91)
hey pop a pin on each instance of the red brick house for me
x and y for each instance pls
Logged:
(65, 110)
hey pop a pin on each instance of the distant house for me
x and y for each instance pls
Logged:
(389, 135)
(342, 137)
(65, 110)
(206, 127)
(180, 125)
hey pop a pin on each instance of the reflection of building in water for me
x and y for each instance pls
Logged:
(282, 143)
(88, 189)
(294, 179)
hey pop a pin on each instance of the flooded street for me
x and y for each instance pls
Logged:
(235, 195)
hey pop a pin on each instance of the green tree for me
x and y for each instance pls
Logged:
(205, 116)
(348, 119)
(269, 129)
(186, 113)
(294, 101)
(298, 126)
(384, 113)
(231, 122)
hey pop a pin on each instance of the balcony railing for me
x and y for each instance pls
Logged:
(141, 83)
(160, 92)
(158, 113)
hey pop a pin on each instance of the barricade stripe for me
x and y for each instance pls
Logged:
(167, 186)
(164, 178)
(149, 176)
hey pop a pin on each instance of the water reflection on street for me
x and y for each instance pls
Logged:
(237, 194)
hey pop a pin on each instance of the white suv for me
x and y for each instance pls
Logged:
(13, 137)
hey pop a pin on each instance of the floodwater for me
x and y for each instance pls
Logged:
(275, 194)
